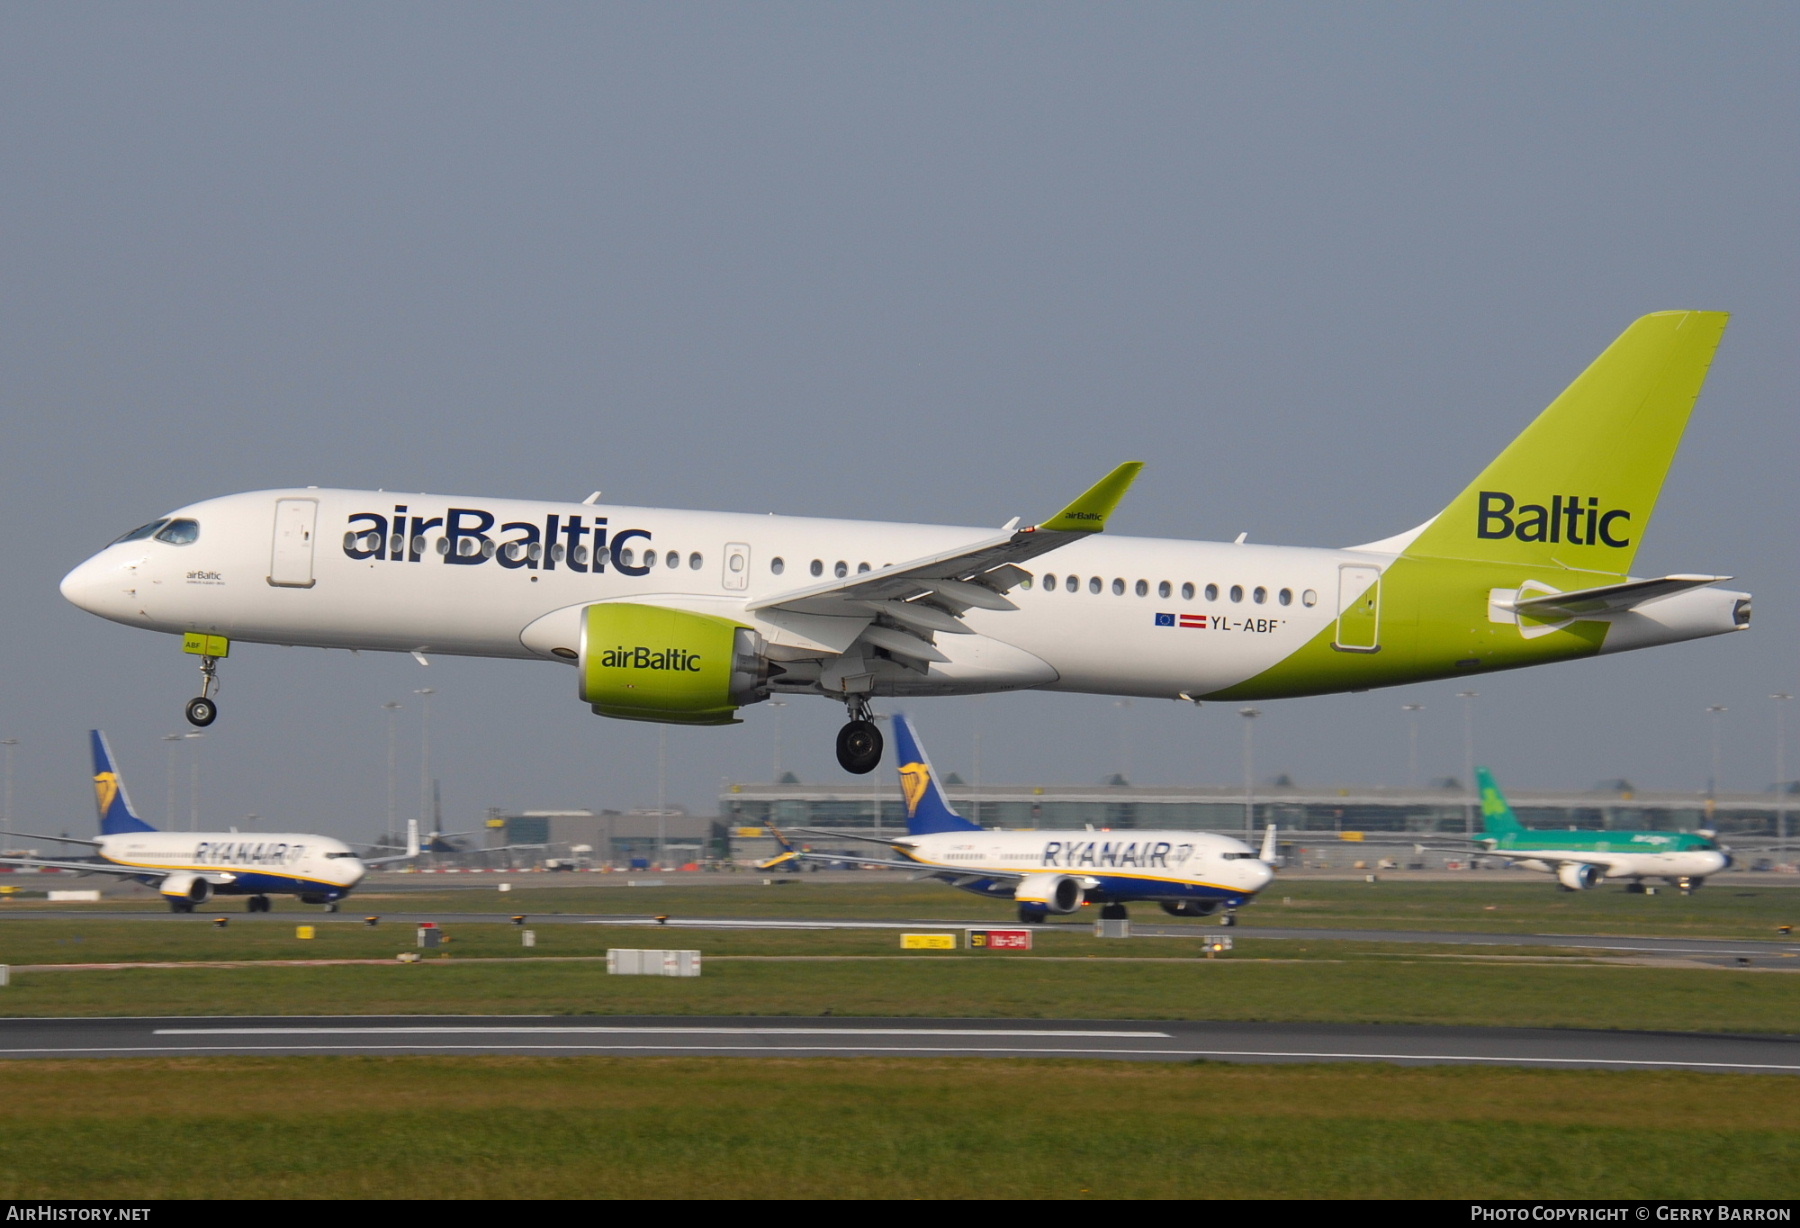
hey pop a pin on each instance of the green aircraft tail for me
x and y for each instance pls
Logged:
(1577, 488)
(1497, 818)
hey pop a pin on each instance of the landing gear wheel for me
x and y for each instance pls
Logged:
(1032, 916)
(1634, 888)
(258, 903)
(1229, 918)
(859, 747)
(331, 908)
(202, 712)
(1115, 912)
(181, 906)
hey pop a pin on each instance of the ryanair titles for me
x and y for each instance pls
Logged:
(469, 537)
(1082, 854)
(247, 853)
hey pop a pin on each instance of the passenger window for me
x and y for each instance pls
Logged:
(734, 562)
(1212, 592)
(649, 558)
(1163, 589)
(1260, 596)
(1118, 587)
(577, 555)
(861, 567)
(1237, 592)
(1187, 591)
(818, 567)
(776, 565)
(1072, 584)
(841, 570)
(1093, 584)
(674, 559)
(1050, 582)
(695, 561)
(179, 532)
(1143, 588)
(1286, 596)
(627, 557)
(1309, 598)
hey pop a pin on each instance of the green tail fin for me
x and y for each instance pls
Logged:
(1497, 817)
(1577, 488)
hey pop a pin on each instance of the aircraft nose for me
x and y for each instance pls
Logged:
(96, 587)
(1260, 874)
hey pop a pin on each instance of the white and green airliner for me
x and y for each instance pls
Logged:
(688, 616)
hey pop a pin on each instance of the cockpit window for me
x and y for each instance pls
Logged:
(139, 534)
(179, 532)
(1237, 856)
(334, 855)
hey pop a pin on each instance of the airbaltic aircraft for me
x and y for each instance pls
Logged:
(1189, 873)
(1584, 859)
(191, 867)
(685, 617)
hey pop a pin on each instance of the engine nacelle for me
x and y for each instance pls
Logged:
(1579, 876)
(1058, 893)
(184, 886)
(648, 663)
(1192, 908)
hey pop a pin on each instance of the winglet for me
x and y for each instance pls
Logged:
(1088, 513)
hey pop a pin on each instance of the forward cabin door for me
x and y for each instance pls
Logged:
(291, 563)
(1359, 609)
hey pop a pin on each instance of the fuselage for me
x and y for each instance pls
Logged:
(1620, 854)
(374, 570)
(1111, 866)
(237, 863)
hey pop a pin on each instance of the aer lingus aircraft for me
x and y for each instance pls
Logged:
(1189, 873)
(191, 867)
(1584, 859)
(685, 616)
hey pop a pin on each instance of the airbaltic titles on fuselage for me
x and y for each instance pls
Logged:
(576, 542)
(1566, 519)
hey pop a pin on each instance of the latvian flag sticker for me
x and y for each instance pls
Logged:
(1182, 620)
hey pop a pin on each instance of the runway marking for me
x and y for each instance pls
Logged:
(428, 1030)
(940, 1050)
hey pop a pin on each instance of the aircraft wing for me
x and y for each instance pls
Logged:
(1608, 598)
(84, 867)
(924, 870)
(412, 847)
(973, 576)
(30, 835)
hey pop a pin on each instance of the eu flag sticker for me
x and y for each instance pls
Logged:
(1165, 620)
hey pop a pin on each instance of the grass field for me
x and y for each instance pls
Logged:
(1071, 975)
(1513, 904)
(871, 1128)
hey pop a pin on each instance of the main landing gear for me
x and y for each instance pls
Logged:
(258, 903)
(859, 743)
(1115, 912)
(202, 710)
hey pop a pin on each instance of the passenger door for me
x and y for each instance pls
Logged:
(1359, 609)
(291, 562)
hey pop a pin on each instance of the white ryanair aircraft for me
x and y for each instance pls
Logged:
(191, 867)
(1187, 873)
(686, 616)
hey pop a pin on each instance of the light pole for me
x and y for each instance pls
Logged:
(777, 705)
(1249, 715)
(1412, 743)
(174, 742)
(9, 743)
(1781, 698)
(1712, 782)
(392, 708)
(1468, 698)
(662, 796)
(193, 779)
(980, 709)
(425, 694)
(1124, 707)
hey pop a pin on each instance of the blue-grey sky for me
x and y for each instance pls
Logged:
(1315, 264)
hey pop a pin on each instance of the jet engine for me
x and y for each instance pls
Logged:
(1192, 908)
(1579, 875)
(189, 887)
(650, 663)
(1058, 893)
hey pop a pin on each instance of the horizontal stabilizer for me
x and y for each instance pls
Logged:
(1608, 598)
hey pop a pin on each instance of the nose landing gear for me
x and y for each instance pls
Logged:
(859, 743)
(203, 710)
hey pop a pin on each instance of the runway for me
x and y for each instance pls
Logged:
(785, 1037)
